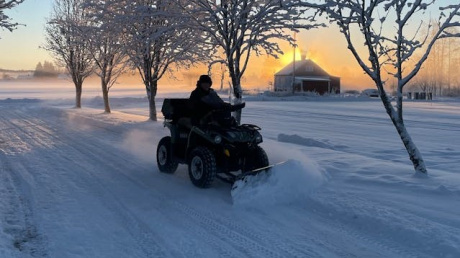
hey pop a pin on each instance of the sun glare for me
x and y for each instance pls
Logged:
(287, 58)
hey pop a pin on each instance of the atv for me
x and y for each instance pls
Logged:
(211, 150)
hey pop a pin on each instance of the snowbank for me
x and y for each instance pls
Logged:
(287, 183)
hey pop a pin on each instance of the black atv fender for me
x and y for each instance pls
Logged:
(198, 137)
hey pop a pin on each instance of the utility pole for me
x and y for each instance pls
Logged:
(293, 59)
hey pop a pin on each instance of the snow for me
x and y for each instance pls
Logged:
(269, 189)
(296, 139)
(81, 183)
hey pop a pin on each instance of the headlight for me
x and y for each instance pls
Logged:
(231, 134)
(217, 139)
(258, 139)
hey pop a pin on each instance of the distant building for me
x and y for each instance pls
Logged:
(25, 76)
(308, 76)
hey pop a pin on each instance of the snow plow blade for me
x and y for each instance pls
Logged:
(243, 177)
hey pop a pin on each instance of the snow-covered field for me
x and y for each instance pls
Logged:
(80, 183)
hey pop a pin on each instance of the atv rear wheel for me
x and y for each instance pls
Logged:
(257, 159)
(202, 167)
(165, 160)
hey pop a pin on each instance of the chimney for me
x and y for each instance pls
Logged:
(304, 55)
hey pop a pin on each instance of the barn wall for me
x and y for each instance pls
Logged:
(283, 83)
(335, 84)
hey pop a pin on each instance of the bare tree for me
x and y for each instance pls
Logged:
(390, 46)
(5, 21)
(66, 43)
(242, 28)
(104, 40)
(156, 38)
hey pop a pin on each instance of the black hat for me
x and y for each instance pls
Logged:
(204, 78)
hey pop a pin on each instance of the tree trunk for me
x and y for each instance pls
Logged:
(237, 93)
(237, 114)
(105, 95)
(152, 92)
(78, 89)
(153, 109)
(414, 154)
(222, 76)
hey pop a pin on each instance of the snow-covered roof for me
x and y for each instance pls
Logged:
(304, 67)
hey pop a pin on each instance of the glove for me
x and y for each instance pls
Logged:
(238, 106)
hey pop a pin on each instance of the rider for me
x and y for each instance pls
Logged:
(205, 100)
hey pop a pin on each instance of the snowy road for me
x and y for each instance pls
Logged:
(72, 186)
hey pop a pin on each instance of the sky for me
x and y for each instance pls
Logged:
(21, 48)
(326, 46)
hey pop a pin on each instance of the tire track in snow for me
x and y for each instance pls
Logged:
(144, 238)
(224, 227)
(128, 217)
(248, 241)
(138, 230)
(19, 218)
(199, 219)
(220, 223)
(28, 239)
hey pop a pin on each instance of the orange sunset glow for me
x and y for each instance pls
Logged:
(22, 50)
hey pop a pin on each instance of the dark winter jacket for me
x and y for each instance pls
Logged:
(206, 101)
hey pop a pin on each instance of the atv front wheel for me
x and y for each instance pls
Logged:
(165, 160)
(257, 159)
(202, 167)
